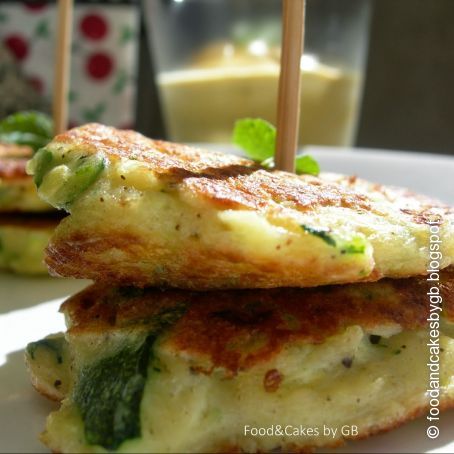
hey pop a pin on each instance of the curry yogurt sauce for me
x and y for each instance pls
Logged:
(202, 102)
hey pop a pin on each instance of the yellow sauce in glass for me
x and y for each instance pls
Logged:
(201, 103)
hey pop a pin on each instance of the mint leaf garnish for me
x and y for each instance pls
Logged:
(306, 164)
(257, 138)
(26, 128)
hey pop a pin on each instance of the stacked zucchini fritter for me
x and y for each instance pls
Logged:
(145, 212)
(147, 369)
(26, 222)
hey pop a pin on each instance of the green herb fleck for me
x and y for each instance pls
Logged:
(109, 392)
(43, 159)
(53, 344)
(131, 292)
(323, 234)
(83, 176)
(355, 246)
(374, 339)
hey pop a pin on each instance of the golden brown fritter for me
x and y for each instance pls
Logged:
(145, 212)
(9, 150)
(23, 238)
(13, 160)
(17, 190)
(216, 323)
(26, 222)
(227, 180)
(193, 371)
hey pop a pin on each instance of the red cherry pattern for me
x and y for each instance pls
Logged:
(37, 84)
(99, 65)
(35, 6)
(17, 45)
(93, 26)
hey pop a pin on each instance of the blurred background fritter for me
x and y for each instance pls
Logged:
(26, 222)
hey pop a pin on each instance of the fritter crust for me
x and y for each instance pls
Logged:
(165, 214)
(233, 182)
(234, 345)
(220, 324)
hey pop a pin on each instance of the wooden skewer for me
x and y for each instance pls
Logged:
(288, 106)
(62, 65)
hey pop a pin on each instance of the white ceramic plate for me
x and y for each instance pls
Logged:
(28, 311)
